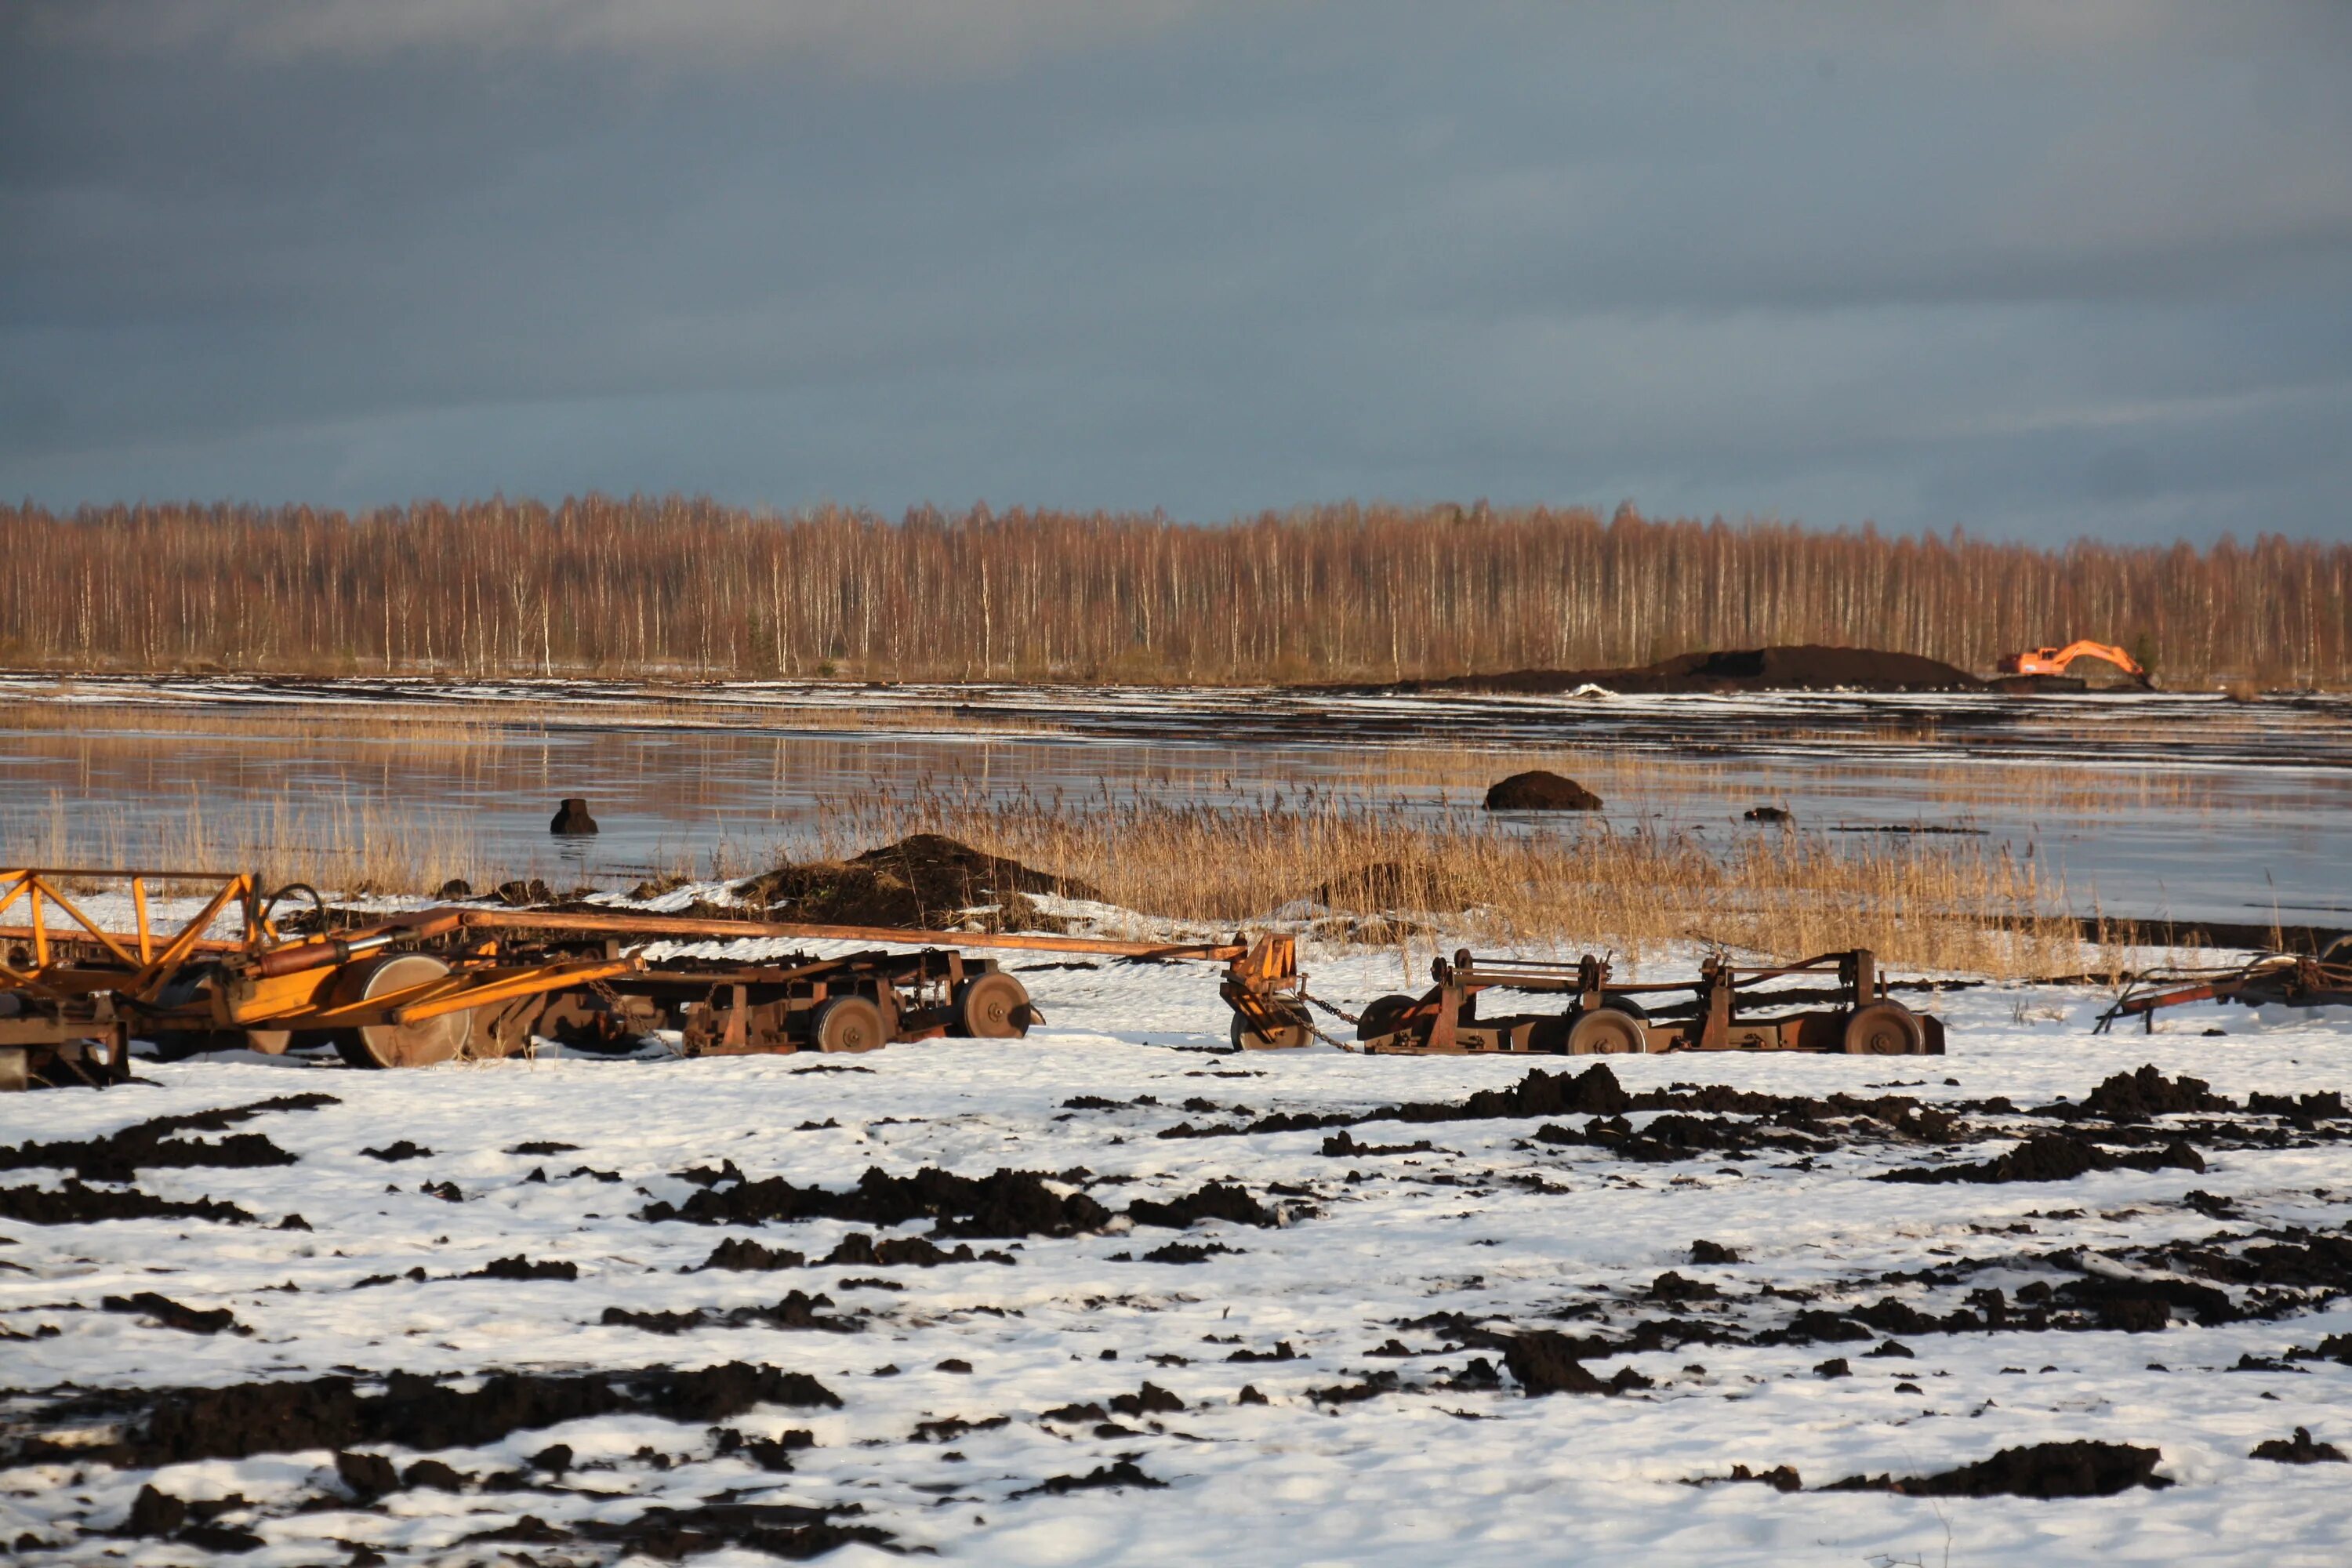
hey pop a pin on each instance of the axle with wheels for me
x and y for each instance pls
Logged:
(1719, 1012)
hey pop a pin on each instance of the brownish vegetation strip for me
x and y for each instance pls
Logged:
(1338, 593)
(1384, 875)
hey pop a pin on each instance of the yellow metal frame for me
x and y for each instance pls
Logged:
(150, 967)
(304, 998)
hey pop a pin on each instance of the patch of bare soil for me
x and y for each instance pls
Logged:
(154, 1144)
(1544, 1361)
(2298, 1450)
(781, 1530)
(1796, 1122)
(1007, 1204)
(1215, 1200)
(798, 1310)
(2053, 1157)
(2079, 1468)
(166, 1427)
(1119, 1473)
(73, 1204)
(2144, 1095)
(172, 1314)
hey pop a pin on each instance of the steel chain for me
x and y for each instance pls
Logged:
(1340, 1013)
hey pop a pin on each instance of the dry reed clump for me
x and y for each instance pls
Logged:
(1389, 875)
(334, 843)
(282, 726)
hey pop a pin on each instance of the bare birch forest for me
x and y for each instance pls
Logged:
(688, 587)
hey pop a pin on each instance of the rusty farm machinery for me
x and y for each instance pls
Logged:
(240, 966)
(2282, 979)
(465, 981)
(1845, 1009)
(404, 990)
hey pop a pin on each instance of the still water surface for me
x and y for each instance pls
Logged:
(2143, 805)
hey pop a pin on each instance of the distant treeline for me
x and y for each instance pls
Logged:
(1336, 593)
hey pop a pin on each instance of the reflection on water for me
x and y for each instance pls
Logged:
(2147, 808)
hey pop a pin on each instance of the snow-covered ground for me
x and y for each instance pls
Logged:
(1488, 1223)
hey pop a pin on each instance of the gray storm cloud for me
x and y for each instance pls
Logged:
(2031, 270)
(884, 34)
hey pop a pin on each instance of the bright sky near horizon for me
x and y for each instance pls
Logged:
(2034, 271)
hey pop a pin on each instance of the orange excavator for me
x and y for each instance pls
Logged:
(2054, 660)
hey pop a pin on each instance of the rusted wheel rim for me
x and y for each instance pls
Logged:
(1606, 1032)
(994, 1007)
(849, 1024)
(1288, 1038)
(416, 1045)
(1885, 1029)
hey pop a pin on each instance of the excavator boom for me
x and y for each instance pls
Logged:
(2054, 660)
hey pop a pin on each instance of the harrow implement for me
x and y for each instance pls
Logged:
(1729, 1007)
(2284, 979)
(405, 991)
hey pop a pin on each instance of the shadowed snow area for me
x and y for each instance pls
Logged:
(601, 1308)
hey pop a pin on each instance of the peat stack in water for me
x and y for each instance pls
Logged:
(1537, 790)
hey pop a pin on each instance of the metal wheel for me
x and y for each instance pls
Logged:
(1607, 1031)
(994, 1007)
(849, 1024)
(1885, 1029)
(1290, 1037)
(402, 1044)
(1383, 1017)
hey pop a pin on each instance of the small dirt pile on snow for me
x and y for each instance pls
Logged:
(181, 1425)
(2040, 1471)
(1007, 1204)
(73, 1204)
(2144, 1095)
(2298, 1450)
(154, 1145)
(920, 881)
(2053, 1157)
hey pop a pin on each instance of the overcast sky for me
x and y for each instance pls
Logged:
(2035, 270)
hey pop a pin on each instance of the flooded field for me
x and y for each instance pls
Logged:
(2142, 805)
